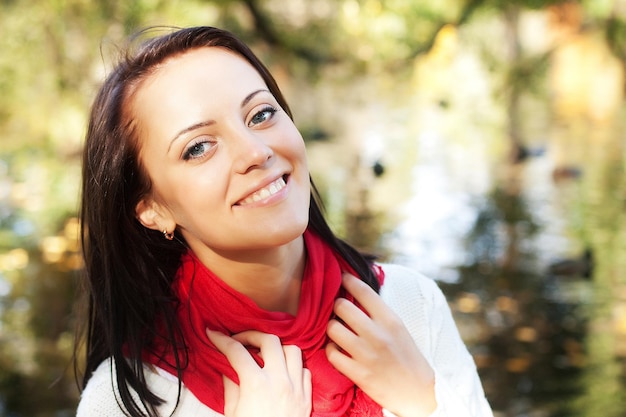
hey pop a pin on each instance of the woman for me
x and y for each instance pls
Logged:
(215, 286)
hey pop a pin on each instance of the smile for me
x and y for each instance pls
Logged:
(264, 192)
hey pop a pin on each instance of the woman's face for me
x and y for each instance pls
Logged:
(227, 165)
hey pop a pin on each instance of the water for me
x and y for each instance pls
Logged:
(532, 257)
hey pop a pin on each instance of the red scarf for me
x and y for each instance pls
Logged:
(207, 302)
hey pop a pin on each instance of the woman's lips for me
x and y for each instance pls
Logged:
(264, 192)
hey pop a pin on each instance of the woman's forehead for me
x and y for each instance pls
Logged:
(198, 70)
(212, 60)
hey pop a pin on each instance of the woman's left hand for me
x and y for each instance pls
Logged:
(375, 350)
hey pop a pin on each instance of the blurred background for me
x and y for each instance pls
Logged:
(481, 142)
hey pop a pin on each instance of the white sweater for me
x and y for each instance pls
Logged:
(416, 299)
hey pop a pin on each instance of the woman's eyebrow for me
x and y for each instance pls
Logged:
(189, 129)
(251, 96)
(205, 123)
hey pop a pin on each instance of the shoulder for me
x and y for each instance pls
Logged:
(418, 302)
(101, 396)
(405, 285)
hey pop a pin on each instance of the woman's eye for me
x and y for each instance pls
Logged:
(197, 150)
(262, 116)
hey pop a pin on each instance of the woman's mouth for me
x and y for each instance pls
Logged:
(264, 192)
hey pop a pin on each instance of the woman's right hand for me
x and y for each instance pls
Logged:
(281, 388)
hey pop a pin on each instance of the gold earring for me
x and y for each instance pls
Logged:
(168, 236)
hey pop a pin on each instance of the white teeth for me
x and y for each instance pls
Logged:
(265, 192)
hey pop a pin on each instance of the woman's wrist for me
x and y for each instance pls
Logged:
(424, 404)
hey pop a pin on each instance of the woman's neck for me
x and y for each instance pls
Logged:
(271, 278)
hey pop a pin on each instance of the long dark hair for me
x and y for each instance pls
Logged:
(129, 268)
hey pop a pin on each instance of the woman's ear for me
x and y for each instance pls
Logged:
(149, 214)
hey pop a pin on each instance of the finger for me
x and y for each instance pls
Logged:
(343, 337)
(269, 345)
(333, 352)
(307, 385)
(354, 317)
(342, 362)
(231, 395)
(364, 295)
(237, 355)
(293, 362)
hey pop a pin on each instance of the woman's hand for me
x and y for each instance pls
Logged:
(375, 350)
(281, 388)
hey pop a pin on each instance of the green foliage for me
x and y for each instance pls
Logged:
(616, 36)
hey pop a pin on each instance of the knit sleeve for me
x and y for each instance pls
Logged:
(101, 398)
(425, 312)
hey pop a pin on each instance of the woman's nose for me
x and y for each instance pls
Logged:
(250, 151)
